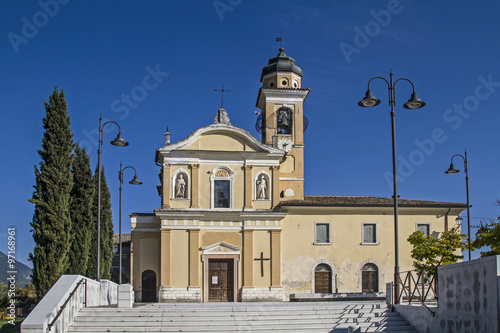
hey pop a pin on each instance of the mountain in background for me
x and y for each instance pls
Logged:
(23, 275)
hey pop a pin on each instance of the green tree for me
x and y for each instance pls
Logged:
(488, 235)
(82, 217)
(51, 224)
(4, 299)
(429, 252)
(107, 244)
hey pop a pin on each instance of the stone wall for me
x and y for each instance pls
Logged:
(174, 295)
(469, 299)
(273, 294)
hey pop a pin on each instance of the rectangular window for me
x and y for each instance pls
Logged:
(322, 233)
(425, 228)
(222, 194)
(369, 233)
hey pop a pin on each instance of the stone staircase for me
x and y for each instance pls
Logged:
(242, 317)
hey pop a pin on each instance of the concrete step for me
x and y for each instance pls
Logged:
(242, 317)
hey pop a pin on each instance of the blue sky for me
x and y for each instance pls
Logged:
(153, 64)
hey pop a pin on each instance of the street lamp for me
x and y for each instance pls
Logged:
(134, 181)
(120, 142)
(452, 170)
(458, 222)
(413, 103)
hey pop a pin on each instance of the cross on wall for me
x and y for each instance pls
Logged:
(262, 259)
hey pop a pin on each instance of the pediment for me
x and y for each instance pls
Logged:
(221, 138)
(221, 248)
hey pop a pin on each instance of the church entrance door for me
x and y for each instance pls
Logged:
(221, 280)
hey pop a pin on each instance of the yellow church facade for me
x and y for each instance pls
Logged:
(234, 224)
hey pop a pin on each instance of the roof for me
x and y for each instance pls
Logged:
(281, 63)
(366, 201)
(126, 238)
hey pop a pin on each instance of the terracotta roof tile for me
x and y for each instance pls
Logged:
(126, 238)
(366, 201)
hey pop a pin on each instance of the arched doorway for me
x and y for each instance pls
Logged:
(323, 279)
(369, 278)
(149, 286)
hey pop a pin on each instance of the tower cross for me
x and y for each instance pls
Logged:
(222, 95)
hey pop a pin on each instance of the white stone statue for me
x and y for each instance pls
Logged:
(180, 187)
(261, 188)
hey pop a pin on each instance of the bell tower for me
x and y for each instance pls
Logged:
(282, 122)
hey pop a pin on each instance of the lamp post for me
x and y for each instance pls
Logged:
(452, 170)
(413, 103)
(134, 181)
(120, 142)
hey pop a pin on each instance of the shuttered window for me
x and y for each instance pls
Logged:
(424, 228)
(369, 233)
(322, 233)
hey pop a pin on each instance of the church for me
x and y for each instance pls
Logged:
(235, 226)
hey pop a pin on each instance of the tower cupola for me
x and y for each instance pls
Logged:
(281, 72)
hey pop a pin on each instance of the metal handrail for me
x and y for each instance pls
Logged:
(413, 292)
(84, 281)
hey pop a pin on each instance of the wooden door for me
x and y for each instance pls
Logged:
(221, 280)
(323, 282)
(149, 286)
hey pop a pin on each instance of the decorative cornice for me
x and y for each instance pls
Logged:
(280, 95)
(251, 141)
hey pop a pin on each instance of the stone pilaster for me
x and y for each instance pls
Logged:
(276, 186)
(195, 182)
(194, 258)
(165, 273)
(247, 258)
(165, 186)
(275, 258)
(248, 187)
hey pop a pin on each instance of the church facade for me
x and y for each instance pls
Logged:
(234, 223)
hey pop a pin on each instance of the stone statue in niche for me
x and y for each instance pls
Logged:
(261, 188)
(180, 186)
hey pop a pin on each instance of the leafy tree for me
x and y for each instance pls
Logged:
(429, 252)
(106, 231)
(82, 217)
(4, 299)
(28, 291)
(92, 257)
(51, 225)
(489, 235)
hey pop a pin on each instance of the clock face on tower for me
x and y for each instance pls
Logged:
(285, 143)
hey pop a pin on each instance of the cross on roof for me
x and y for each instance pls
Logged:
(222, 95)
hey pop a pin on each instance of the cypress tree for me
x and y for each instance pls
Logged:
(107, 245)
(51, 224)
(82, 217)
(92, 257)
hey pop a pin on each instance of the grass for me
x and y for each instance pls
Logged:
(5, 327)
